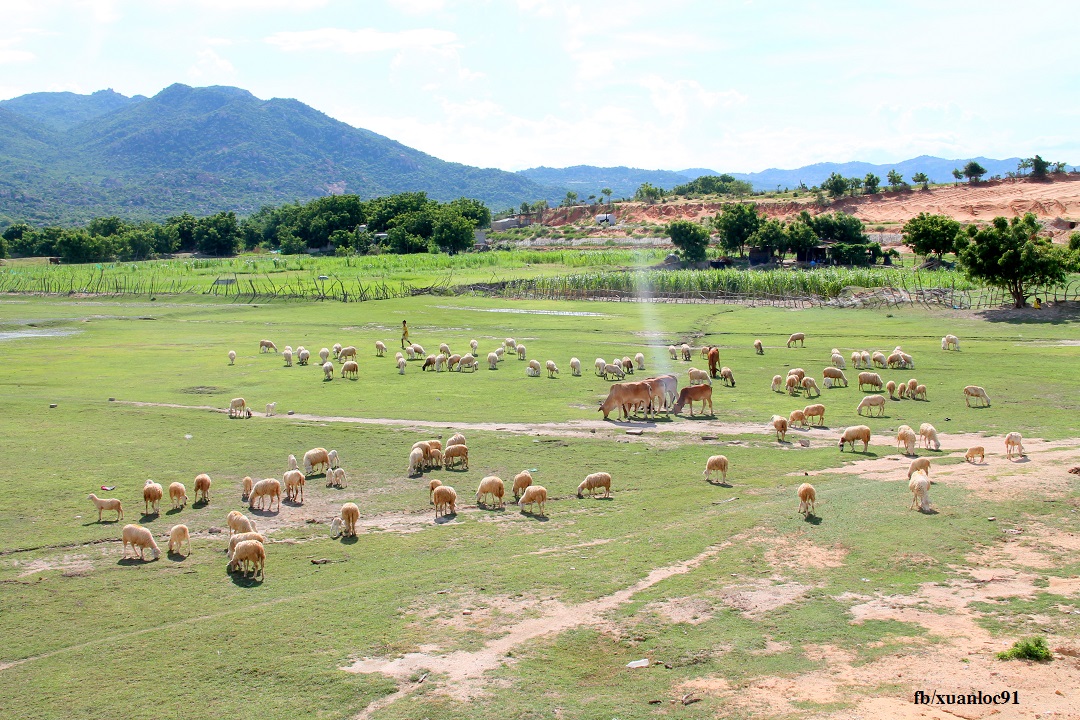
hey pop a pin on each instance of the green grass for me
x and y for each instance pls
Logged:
(1028, 649)
(181, 637)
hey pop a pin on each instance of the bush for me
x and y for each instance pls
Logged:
(1028, 649)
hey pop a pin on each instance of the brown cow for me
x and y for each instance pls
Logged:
(690, 393)
(714, 362)
(623, 396)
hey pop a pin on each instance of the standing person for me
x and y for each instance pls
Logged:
(404, 333)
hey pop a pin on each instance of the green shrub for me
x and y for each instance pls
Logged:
(1028, 649)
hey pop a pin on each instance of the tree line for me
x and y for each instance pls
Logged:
(403, 223)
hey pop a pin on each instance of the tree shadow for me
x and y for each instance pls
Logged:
(1052, 313)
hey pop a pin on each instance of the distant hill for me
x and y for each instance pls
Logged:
(65, 158)
(588, 180)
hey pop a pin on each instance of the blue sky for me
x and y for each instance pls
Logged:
(731, 86)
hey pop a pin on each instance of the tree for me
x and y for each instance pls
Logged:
(800, 237)
(691, 239)
(1039, 167)
(735, 224)
(1024, 164)
(871, 183)
(453, 233)
(926, 234)
(896, 180)
(973, 171)
(404, 243)
(185, 230)
(838, 228)
(957, 175)
(770, 237)
(570, 200)
(474, 210)
(854, 185)
(836, 185)
(606, 192)
(1009, 254)
(648, 193)
(218, 234)
(920, 177)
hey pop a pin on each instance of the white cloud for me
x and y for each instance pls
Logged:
(11, 55)
(211, 67)
(418, 7)
(257, 5)
(365, 40)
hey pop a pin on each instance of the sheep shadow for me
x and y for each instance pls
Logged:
(491, 507)
(129, 561)
(444, 519)
(147, 517)
(449, 469)
(173, 511)
(102, 522)
(199, 504)
(534, 516)
(239, 580)
(291, 502)
(595, 497)
(260, 512)
(812, 519)
(931, 511)
(348, 540)
(1021, 459)
(176, 557)
(719, 483)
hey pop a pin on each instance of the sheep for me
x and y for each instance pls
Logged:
(456, 439)
(246, 485)
(499, 352)
(302, 356)
(575, 367)
(253, 552)
(152, 494)
(440, 362)
(294, 482)
(292, 463)
(139, 537)
(409, 352)
(797, 372)
(834, 351)
(380, 348)
(878, 359)
(267, 346)
(919, 465)
(432, 484)
(552, 368)
(613, 370)
(237, 407)
(697, 377)
(401, 366)
(346, 520)
(673, 351)
(920, 491)
(445, 500)
(593, 482)
(797, 338)
(534, 494)
(239, 523)
(268, 488)
(521, 481)
(418, 350)
(808, 384)
(1013, 443)
(812, 411)
(202, 486)
(510, 343)
(928, 433)
(950, 341)
(974, 391)
(416, 461)
(891, 387)
(444, 349)
(241, 537)
(521, 352)
(232, 357)
(864, 358)
(627, 365)
(639, 358)
(777, 383)
(856, 359)
(534, 368)
(780, 425)
(827, 383)
(452, 361)
(909, 362)
(838, 361)
(969, 456)
(870, 378)
(793, 384)
(287, 357)
(835, 374)
(493, 361)
(349, 368)
(920, 392)
(727, 378)
(705, 351)
(324, 354)
(337, 348)
(332, 459)
(316, 459)
(853, 433)
(758, 348)
(912, 386)
(337, 478)
(796, 416)
(686, 352)
(599, 364)
(328, 371)
(807, 499)
(902, 391)
(906, 436)
(454, 453)
(474, 345)
(467, 361)
(871, 402)
(493, 486)
(178, 494)
(270, 408)
(716, 463)
(177, 536)
(347, 353)
(289, 348)
(423, 446)
(107, 504)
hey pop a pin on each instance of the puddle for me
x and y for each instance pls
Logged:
(37, 332)
(519, 311)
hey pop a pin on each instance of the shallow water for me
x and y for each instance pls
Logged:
(36, 332)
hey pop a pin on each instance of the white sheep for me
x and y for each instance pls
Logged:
(599, 364)
(950, 341)
(202, 487)
(865, 358)
(728, 378)
(811, 411)
(716, 463)
(232, 357)
(521, 481)
(856, 360)
(316, 459)
(493, 361)
(270, 408)
(268, 488)
(456, 439)
(853, 434)
(444, 349)
(337, 349)
(287, 357)
(107, 504)
(928, 433)
(616, 370)
(870, 402)
(380, 348)
(836, 375)
(686, 352)
(759, 348)
(780, 425)
(969, 456)
(974, 391)
(796, 416)
(178, 495)
(797, 372)
(838, 361)
(533, 370)
(879, 359)
(797, 338)
(324, 354)
(510, 343)
(890, 387)
(594, 482)
(294, 482)
(793, 384)
(328, 370)
(139, 537)
(919, 486)
(237, 407)
(332, 458)
(349, 368)
(906, 436)
(178, 535)
(521, 352)
(409, 352)
(912, 386)
(552, 368)
(302, 356)
(347, 353)
(401, 366)
(1013, 443)
(337, 478)
(455, 453)
(416, 461)
(493, 486)
(777, 383)
(827, 383)
(673, 351)
(534, 494)
(639, 358)
(238, 523)
(920, 392)
(870, 378)
(440, 362)
(253, 552)
(499, 352)
(809, 384)
(919, 465)
(418, 350)
(575, 367)
(292, 463)
(241, 537)
(467, 361)
(246, 488)
(346, 520)
(807, 498)
(152, 494)
(474, 345)
(445, 500)
(697, 377)
(267, 346)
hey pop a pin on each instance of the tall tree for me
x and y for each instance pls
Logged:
(648, 193)
(854, 185)
(920, 177)
(606, 192)
(453, 232)
(1009, 254)
(896, 180)
(218, 234)
(973, 171)
(926, 234)
(691, 238)
(871, 183)
(836, 185)
(570, 200)
(735, 224)
(1039, 167)
(957, 174)
(771, 237)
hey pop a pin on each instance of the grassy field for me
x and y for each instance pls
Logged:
(732, 594)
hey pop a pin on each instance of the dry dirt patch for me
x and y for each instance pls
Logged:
(799, 552)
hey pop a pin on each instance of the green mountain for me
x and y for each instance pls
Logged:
(65, 158)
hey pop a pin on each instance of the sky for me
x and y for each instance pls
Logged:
(733, 86)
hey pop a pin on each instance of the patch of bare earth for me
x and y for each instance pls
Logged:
(67, 565)
(759, 597)
(797, 551)
(691, 610)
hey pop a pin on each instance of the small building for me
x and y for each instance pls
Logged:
(818, 254)
(505, 224)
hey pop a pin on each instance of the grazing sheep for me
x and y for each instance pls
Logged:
(380, 348)
(796, 416)
(324, 354)
(429, 362)
(467, 361)
(238, 523)
(177, 536)
(347, 353)
(628, 366)
(716, 463)
(493, 486)
(440, 362)
(316, 459)
(552, 368)
(241, 537)
(270, 408)
(1013, 443)
(969, 456)
(302, 356)
(287, 357)
(780, 425)
(919, 465)
(455, 453)
(456, 439)
(332, 458)
(534, 494)
(444, 349)
(697, 377)
(107, 504)
(827, 383)
(237, 407)
(807, 498)
(686, 352)
(289, 348)
(906, 436)
(797, 338)
(950, 341)
(907, 360)
(534, 368)
(920, 392)
(575, 367)
(337, 478)
(232, 357)
(521, 352)
(854, 433)
(928, 433)
(891, 388)
(727, 378)
(758, 348)
(808, 384)
(418, 350)
(350, 513)
(268, 488)
(432, 484)
(493, 361)
(267, 346)
(416, 461)
(793, 384)
(510, 344)
(812, 411)
(920, 491)
(409, 352)
(838, 361)
(673, 351)
(499, 352)
(292, 463)
(349, 368)
(705, 351)
(639, 358)
(974, 391)
(246, 486)
(294, 482)
(202, 486)
(328, 371)
(871, 402)
(777, 383)
(178, 494)
(337, 349)
(614, 371)
(445, 500)
(474, 345)
(856, 359)
(452, 361)
(152, 494)
(797, 372)
(594, 482)
(834, 374)
(250, 552)
(521, 481)
(139, 537)
(401, 366)
(912, 385)
(870, 378)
